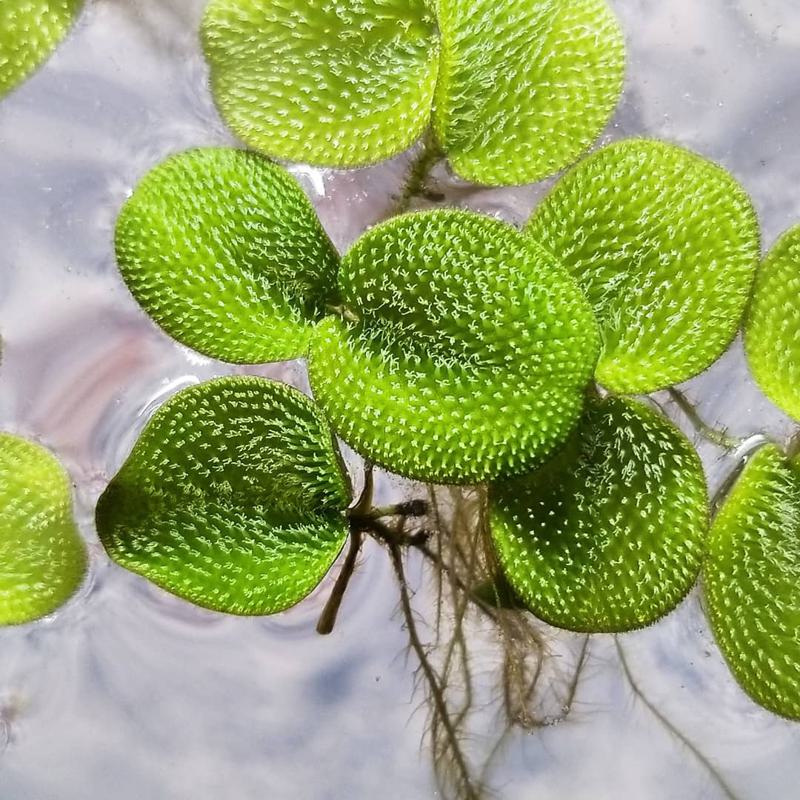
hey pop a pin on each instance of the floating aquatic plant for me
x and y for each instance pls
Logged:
(224, 250)
(448, 347)
(515, 89)
(445, 346)
(772, 327)
(29, 32)
(665, 245)
(428, 363)
(232, 498)
(752, 580)
(465, 352)
(42, 556)
(610, 535)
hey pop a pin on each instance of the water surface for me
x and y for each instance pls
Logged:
(130, 693)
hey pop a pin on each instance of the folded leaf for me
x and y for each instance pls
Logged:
(665, 244)
(752, 581)
(337, 83)
(465, 353)
(225, 252)
(525, 86)
(772, 327)
(29, 32)
(609, 535)
(231, 498)
(42, 556)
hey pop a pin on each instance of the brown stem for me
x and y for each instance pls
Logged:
(364, 502)
(327, 619)
(364, 519)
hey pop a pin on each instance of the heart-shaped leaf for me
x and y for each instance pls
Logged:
(752, 581)
(772, 327)
(225, 252)
(665, 244)
(610, 534)
(466, 352)
(29, 32)
(42, 556)
(525, 86)
(231, 498)
(331, 82)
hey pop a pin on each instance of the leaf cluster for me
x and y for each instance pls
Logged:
(445, 346)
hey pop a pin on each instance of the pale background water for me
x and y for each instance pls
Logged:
(131, 694)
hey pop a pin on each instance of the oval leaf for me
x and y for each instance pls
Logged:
(29, 32)
(752, 581)
(341, 83)
(525, 85)
(772, 328)
(231, 498)
(467, 352)
(610, 534)
(225, 252)
(665, 245)
(42, 556)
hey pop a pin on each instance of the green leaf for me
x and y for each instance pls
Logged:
(525, 86)
(223, 249)
(518, 88)
(42, 556)
(610, 534)
(772, 326)
(29, 32)
(466, 353)
(665, 244)
(231, 498)
(752, 581)
(331, 82)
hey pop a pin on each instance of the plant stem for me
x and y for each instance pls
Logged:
(327, 619)
(364, 502)
(709, 432)
(416, 184)
(681, 737)
(410, 508)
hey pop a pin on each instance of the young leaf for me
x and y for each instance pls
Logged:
(29, 32)
(342, 83)
(772, 326)
(231, 498)
(752, 581)
(466, 352)
(610, 534)
(42, 557)
(665, 245)
(223, 249)
(525, 86)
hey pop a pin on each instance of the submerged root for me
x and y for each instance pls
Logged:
(468, 636)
